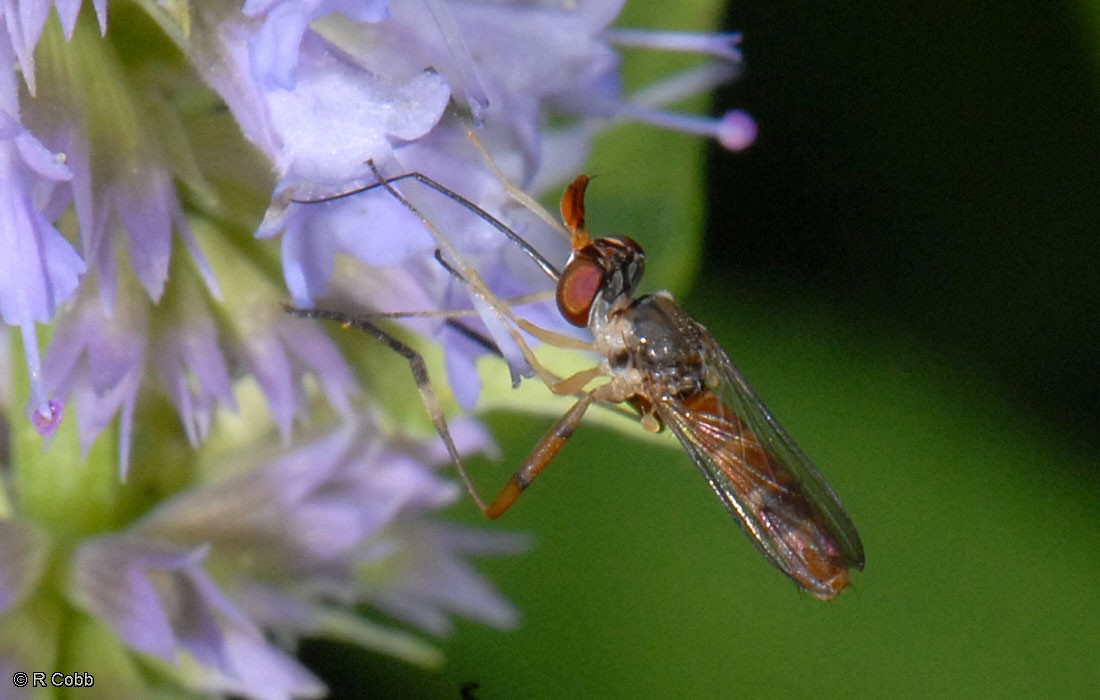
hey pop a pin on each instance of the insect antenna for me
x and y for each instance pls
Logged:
(548, 268)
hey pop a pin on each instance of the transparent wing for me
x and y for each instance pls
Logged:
(764, 479)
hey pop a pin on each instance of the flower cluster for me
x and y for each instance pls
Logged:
(170, 178)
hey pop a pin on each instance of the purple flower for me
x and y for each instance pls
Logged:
(299, 78)
(193, 370)
(334, 100)
(336, 522)
(160, 601)
(124, 200)
(39, 269)
(273, 50)
(23, 23)
(550, 60)
(281, 353)
(98, 359)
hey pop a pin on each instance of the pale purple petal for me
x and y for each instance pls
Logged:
(282, 353)
(275, 609)
(202, 265)
(360, 226)
(436, 582)
(91, 213)
(204, 616)
(564, 153)
(115, 364)
(113, 580)
(461, 362)
(274, 48)
(317, 354)
(337, 117)
(393, 483)
(158, 599)
(363, 228)
(264, 507)
(39, 269)
(500, 331)
(114, 198)
(146, 206)
(41, 160)
(69, 10)
(267, 360)
(23, 23)
(193, 370)
(307, 259)
(337, 101)
(260, 671)
(99, 360)
(24, 550)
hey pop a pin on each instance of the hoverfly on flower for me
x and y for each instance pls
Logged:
(667, 370)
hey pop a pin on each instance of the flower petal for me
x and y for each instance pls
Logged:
(23, 555)
(337, 101)
(111, 579)
(193, 370)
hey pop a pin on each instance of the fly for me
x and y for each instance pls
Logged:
(672, 373)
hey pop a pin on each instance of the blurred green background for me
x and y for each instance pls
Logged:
(905, 266)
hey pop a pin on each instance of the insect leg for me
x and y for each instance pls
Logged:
(575, 383)
(420, 375)
(550, 444)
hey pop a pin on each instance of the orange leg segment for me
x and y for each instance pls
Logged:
(540, 457)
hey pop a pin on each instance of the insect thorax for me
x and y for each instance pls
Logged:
(653, 348)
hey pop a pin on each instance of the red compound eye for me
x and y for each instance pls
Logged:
(578, 286)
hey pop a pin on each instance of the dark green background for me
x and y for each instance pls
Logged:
(905, 267)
